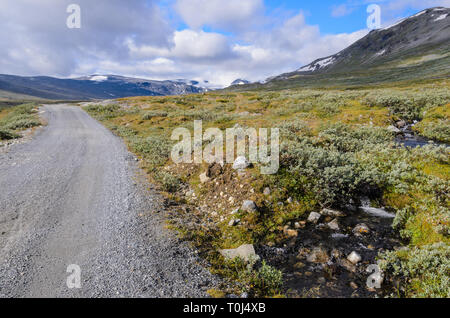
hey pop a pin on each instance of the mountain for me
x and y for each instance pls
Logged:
(414, 48)
(92, 87)
(240, 82)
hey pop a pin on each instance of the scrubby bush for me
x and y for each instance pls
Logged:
(103, 112)
(424, 270)
(267, 280)
(335, 177)
(22, 117)
(152, 114)
(7, 135)
(168, 181)
(438, 130)
(154, 149)
(346, 139)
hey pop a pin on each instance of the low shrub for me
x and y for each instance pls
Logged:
(424, 270)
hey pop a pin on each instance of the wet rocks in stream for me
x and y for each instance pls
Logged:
(332, 261)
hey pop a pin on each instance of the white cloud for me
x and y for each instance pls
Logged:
(230, 15)
(138, 40)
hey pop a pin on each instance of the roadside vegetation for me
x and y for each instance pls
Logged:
(16, 118)
(338, 147)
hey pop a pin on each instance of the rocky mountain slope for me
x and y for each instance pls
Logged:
(93, 87)
(414, 48)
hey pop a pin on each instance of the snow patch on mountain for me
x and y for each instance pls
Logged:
(317, 65)
(98, 78)
(441, 17)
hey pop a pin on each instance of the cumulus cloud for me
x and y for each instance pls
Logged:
(230, 15)
(138, 39)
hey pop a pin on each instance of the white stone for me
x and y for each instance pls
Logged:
(333, 213)
(334, 225)
(249, 206)
(241, 163)
(354, 258)
(246, 252)
(314, 217)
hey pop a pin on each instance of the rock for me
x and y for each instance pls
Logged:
(244, 295)
(347, 265)
(249, 206)
(214, 170)
(353, 285)
(361, 229)
(246, 252)
(333, 213)
(394, 129)
(267, 191)
(333, 225)
(204, 178)
(241, 163)
(291, 233)
(314, 217)
(354, 258)
(297, 225)
(318, 255)
(401, 124)
(234, 222)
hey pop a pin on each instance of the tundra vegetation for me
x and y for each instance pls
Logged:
(337, 147)
(16, 118)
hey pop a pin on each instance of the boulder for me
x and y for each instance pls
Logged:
(246, 252)
(214, 170)
(314, 217)
(249, 206)
(394, 129)
(354, 258)
(361, 229)
(333, 213)
(401, 124)
(241, 163)
(333, 225)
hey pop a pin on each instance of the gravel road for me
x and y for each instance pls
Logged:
(74, 195)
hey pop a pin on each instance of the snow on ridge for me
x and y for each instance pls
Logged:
(441, 17)
(98, 78)
(318, 65)
(418, 14)
(380, 53)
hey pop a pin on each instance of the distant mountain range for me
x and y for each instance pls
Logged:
(417, 47)
(92, 87)
(240, 82)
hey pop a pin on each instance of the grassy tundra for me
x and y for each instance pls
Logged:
(337, 146)
(16, 118)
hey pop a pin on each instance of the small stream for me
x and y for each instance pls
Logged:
(408, 138)
(334, 276)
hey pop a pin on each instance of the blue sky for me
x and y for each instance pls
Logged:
(214, 40)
